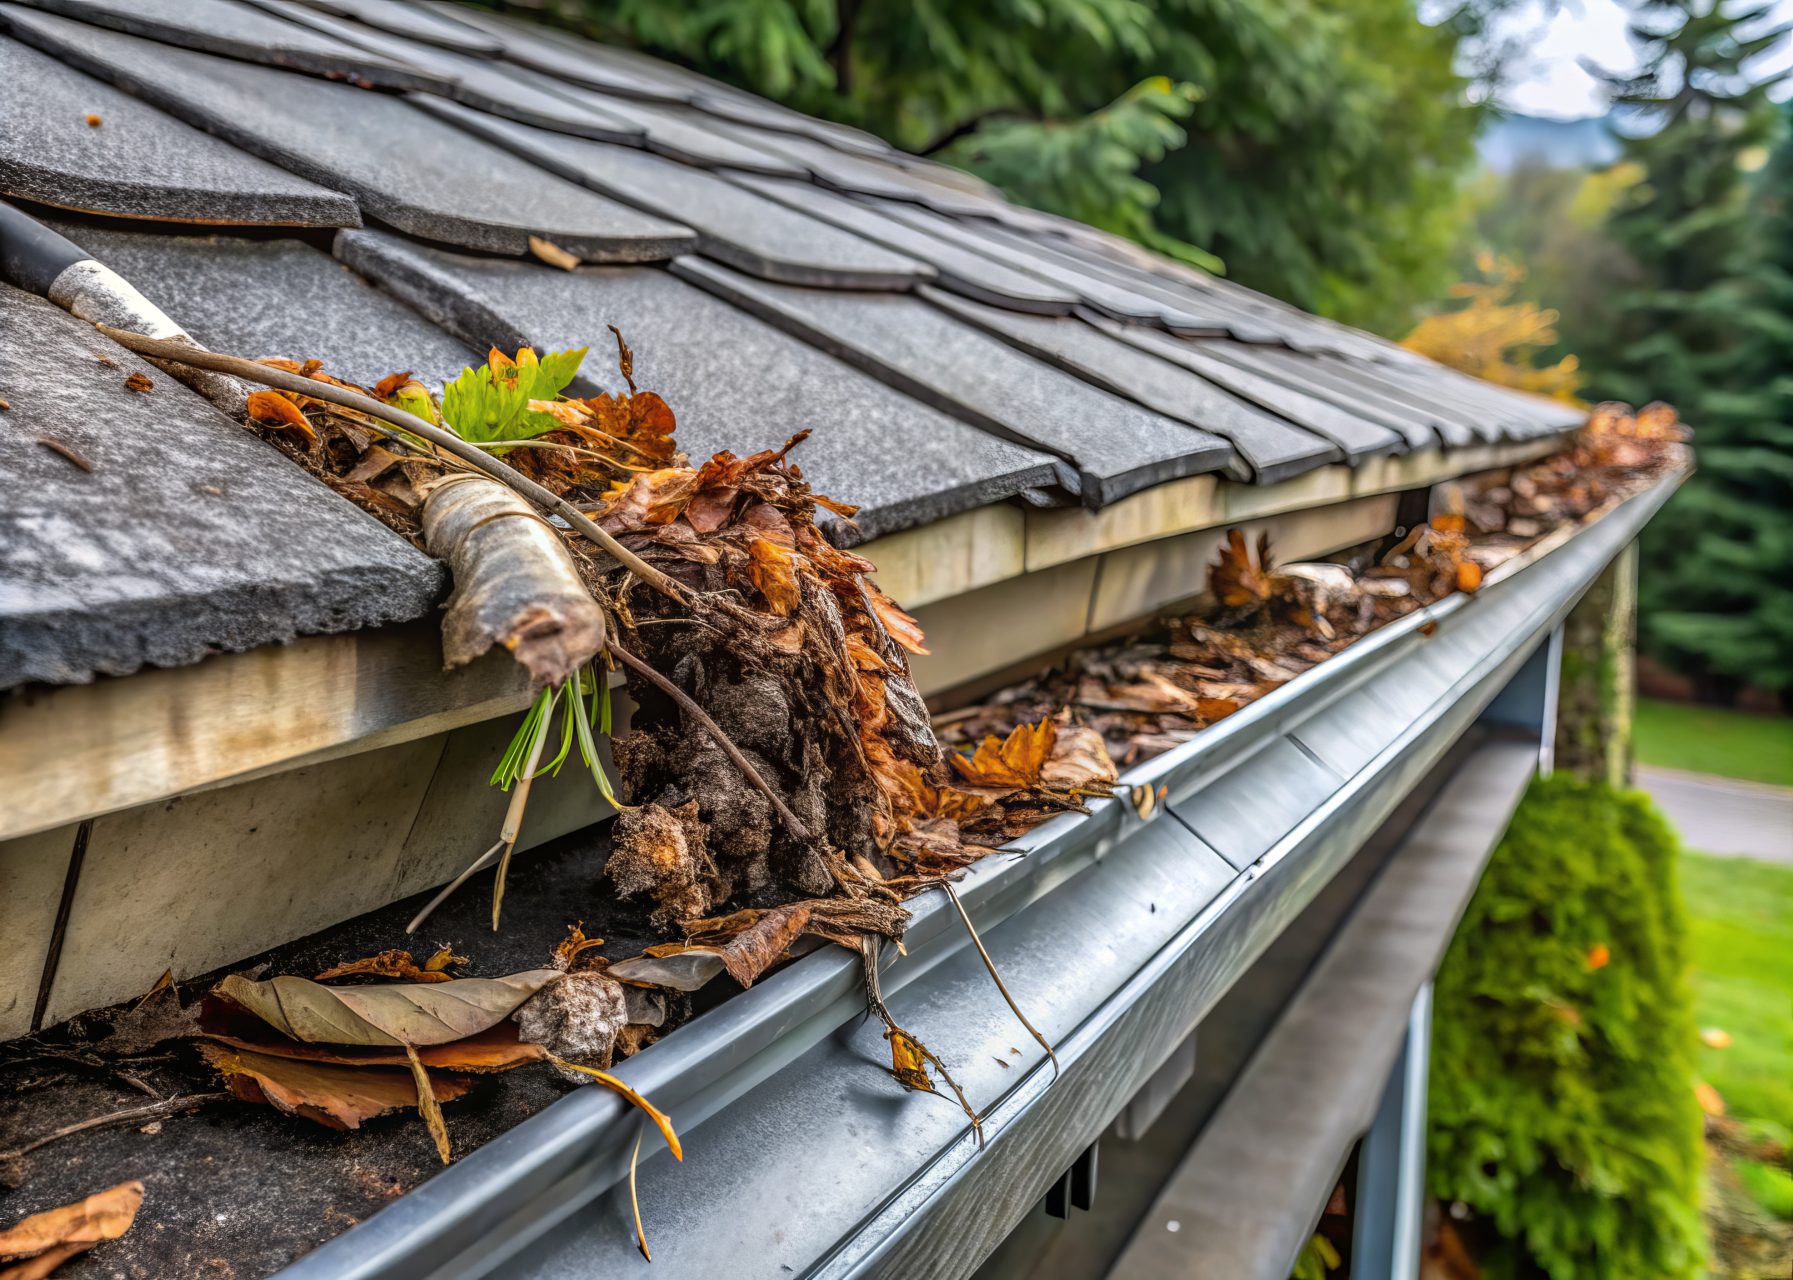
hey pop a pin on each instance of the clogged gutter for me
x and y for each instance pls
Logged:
(781, 779)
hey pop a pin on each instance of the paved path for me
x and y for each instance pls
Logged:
(1723, 815)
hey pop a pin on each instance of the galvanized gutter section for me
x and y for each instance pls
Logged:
(1115, 933)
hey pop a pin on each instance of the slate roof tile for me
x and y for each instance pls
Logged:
(1117, 446)
(733, 224)
(404, 165)
(259, 298)
(238, 30)
(1355, 435)
(137, 162)
(1268, 447)
(189, 535)
(734, 381)
(974, 275)
(1367, 391)
(415, 23)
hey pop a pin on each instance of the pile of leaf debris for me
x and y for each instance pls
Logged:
(1261, 625)
(781, 784)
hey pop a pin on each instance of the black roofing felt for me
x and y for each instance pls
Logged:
(734, 381)
(405, 166)
(134, 161)
(1117, 446)
(259, 298)
(187, 536)
(947, 349)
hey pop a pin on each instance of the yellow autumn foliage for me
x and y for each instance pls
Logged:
(1493, 336)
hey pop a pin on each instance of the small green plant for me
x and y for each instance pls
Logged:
(1318, 1260)
(1562, 1104)
(490, 404)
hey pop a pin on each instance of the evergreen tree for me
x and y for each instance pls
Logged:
(1708, 331)
(1314, 146)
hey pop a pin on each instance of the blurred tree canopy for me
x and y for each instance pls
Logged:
(1707, 326)
(1315, 147)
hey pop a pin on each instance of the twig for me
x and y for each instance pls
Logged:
(151, 1111)
(996, 977)
(697, 713)
(545, 498)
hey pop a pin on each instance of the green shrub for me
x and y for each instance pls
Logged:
(1769, 1186)
(1562, 1107)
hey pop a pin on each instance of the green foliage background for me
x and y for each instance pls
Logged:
(1315, 147)
(1562, 1106)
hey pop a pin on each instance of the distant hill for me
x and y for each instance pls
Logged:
(1509, 141)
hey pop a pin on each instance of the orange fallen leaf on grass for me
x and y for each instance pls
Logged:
(1711, 1100)
(272, 409)
(37, 1245)
(1599, 956)
(1715, 1038)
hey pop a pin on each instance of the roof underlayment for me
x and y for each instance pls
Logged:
(301, 183)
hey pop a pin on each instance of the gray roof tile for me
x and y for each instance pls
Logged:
(1117, 446)
(1357, 436)
(1361, 389)
(734, 381)
(243, 31)
(733, 224)
(415, 23)
(259, 298)
(687, 135)
(188, 536)
(1269, 448)
(402, 164)
(137, 162)
(973, 274)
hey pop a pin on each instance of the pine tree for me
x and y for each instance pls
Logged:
(1707, 331)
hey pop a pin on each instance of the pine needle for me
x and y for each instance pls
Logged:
(634, 1198)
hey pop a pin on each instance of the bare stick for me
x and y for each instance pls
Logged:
(545, 498)
(697, 713)
(996, 977)
(473, 868)
(152, 1111)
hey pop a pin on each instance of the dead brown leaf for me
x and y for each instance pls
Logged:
(140, 381)
(272, 409)
(392, 964)
(37, 1245)
(774, 571)
(423, 1013)
(336, 1096)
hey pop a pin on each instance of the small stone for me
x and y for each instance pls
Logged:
(93, 121)
(576, 1017)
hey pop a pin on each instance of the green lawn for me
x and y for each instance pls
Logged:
(1733, 744)
(1740, 925)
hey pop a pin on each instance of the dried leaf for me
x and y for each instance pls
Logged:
(661, 1120)
(683, 968)
(905, 630)
(568, 948)
(908, 1060)
(1079, 759)
(1015, 761)
(391, 964)
(495, 1049)
(405, 1013)
(774, 571)
(37, 1245)
(272, 409)
(1711, 1101)
(1715, 1038)
(1233, 579)
(335, 1096)
(388, 386)
(140, 381)
(759, 946)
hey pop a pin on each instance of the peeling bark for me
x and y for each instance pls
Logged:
(515, 582)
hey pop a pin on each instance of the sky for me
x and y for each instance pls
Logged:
(1550, 81)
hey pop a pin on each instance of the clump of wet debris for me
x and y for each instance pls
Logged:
(781, 785)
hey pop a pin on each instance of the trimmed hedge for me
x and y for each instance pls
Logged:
(1562, 1105)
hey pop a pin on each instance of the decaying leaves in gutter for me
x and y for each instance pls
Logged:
(781, 785)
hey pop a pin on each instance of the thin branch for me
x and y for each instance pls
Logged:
(545, 498)
(697, 713)
(152, 1111)
(996, 977)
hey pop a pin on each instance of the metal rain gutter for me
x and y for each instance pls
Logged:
(1260, 811)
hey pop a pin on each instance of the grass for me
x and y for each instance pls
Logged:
(1732, 744)
(1740, 927)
